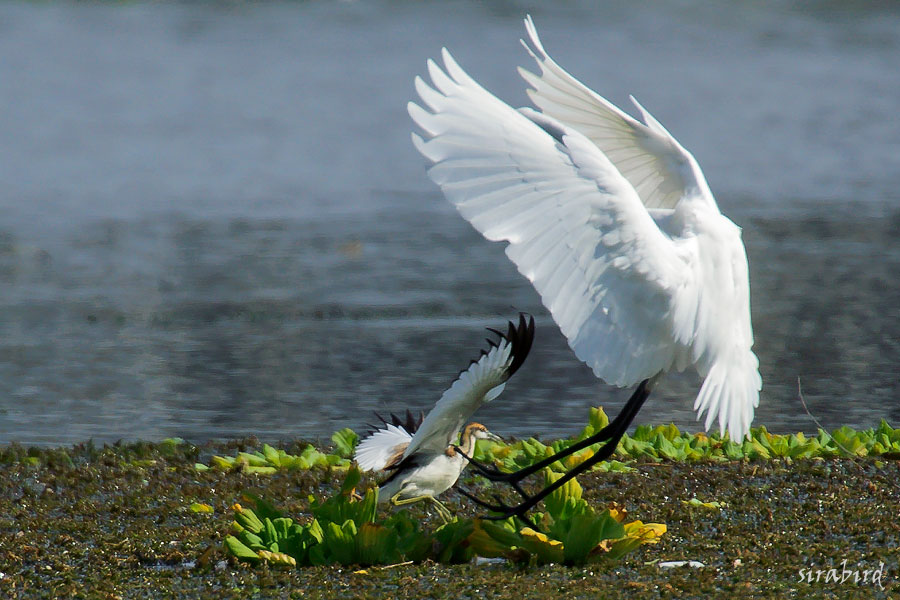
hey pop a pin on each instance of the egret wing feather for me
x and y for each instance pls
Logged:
(576, 228)
(633, 300)
(661, 171)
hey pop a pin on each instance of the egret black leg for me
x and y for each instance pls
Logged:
(615, 429)
(611, 434)
(523, 517)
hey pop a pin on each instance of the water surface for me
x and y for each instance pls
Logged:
(213, 223)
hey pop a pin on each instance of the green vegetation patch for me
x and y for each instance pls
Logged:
(662, 442)
(344, 529)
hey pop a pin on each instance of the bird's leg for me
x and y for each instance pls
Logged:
(442, 511)
(482, 468)
(605, 451)
(612, 432)
(499, 507)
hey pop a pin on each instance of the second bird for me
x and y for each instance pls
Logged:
(423, 459)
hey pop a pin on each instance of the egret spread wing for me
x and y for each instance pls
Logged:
(382, 449)
(615, 228)
(576, 228)
(481, 382)
(657, 166)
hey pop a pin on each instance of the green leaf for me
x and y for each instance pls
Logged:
(222, 462)
(341, 543)
(271, 455)
(585, 532)
(247, 519)
(345, 442)
(237, 549)
(491, 539)
(546, 549)
(262, 508)
(562, 503)
(351, 480)
(375, 544)
(451, 541)
(315, 531)
(253, 460)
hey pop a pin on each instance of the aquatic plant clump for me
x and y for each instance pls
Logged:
(662, 442)
(344, 529)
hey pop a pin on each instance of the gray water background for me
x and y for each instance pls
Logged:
(213, 223)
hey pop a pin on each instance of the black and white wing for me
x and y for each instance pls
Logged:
(481, 382)
(383, 448)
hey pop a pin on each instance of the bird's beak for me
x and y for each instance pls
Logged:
(495, 438)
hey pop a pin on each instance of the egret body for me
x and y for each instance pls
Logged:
(613, 223)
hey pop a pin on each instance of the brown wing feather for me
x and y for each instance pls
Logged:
(396, 455)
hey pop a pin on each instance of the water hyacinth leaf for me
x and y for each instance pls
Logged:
(252, 470)
(261, 507)
(648, 533)
(271, 455)
(636, 448)
(277, 559)
(340, 541)
(546, 550)
(612, 466)
(584, 533)
(254, 460)
(697, 503)
(573, 460)
(451, 541)
(670, 432)
(247, 519)
(222, 462)
(237, 549)
(491, 540)
(665, 448)
(335, 462)
(315, 531)
(375, 544)
(281, 528)
(345, 442)
(733, 450)
(617, 511)
(368, 507)
(610, 527)
(561, 503)
(251, 540)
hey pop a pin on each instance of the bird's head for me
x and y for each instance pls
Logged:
(480, 432)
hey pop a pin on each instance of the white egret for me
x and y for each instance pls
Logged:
(423, 458)
(613, 223)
